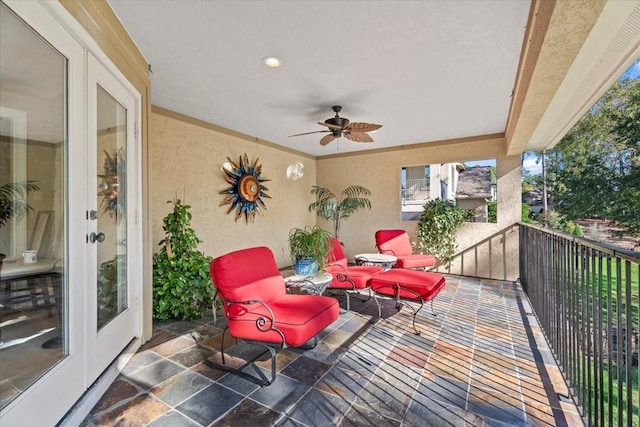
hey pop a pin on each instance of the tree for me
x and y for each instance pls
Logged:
(596, 165)
(328, 206)
(539, 181)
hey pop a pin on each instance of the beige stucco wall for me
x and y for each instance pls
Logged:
(485, 250)
(186, 156)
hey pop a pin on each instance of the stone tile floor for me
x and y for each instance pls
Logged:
(482, 361)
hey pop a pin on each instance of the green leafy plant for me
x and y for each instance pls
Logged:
(437, 229)
(181, 283)
(12, 200)
(310, 242)
(328, 206)
(492, 212)
(108, 285)
(526, 214)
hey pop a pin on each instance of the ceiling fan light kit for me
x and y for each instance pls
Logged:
(341, 126)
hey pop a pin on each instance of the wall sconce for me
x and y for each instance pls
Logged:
(295, 171)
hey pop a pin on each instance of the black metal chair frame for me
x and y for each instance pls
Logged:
(400, 300)
(344, 277)
(261, 323)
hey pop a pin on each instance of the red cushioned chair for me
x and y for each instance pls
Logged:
(398, 244)
(259, 310)
(348, 278)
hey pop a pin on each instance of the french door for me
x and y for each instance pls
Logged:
(81, 151)
(112, 229)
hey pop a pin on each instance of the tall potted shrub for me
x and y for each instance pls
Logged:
(181, 283)
(309, 248)
(331, 207)
(437, 229)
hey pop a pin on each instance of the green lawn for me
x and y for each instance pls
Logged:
(614, 291)
(606, 397)
(615, 400)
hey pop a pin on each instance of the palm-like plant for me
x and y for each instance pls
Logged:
(12, 200)
(330, 207)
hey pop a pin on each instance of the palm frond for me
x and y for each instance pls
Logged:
(328, 206)
(17, 190)
(326, 202)
(12, 203)
(356, 191)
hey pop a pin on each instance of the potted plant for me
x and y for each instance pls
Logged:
(182, 286)
(309, 248)
(330, 207)
(437, 229)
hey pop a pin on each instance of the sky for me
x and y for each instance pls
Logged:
(487, 162)
(531, 166)
(633, 72)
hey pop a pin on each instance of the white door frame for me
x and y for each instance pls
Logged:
(113, 337)
(56, 392)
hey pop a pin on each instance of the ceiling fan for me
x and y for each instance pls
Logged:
(340, 126)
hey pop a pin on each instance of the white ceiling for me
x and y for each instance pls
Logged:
(425, 70)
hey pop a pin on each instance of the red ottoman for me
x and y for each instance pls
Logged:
(412, 285)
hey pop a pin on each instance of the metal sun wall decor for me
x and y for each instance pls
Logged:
(246, 190)
(109, 187)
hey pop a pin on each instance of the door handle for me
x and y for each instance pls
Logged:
(93, 237)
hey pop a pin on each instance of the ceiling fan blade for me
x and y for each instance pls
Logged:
(358, 137)
(327, 139)
(309, 133)
(363, 127)
(330, 126)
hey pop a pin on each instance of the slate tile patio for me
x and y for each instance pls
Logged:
(482, 361)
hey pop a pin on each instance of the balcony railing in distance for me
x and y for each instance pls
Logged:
(585, 297)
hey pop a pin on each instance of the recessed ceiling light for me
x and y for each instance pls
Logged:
(271, 61)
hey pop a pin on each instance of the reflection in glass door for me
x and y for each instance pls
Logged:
(33, 145)
(112, 208)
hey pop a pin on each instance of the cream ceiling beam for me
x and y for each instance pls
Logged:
(556, 31)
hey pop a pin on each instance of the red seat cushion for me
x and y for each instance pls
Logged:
(299, 317)
(415, 261)
(361, 275)
(426, 284)
(338, 265)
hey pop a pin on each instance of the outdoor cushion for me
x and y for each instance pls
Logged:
(398, 244)
(337, 264)
(414, 285)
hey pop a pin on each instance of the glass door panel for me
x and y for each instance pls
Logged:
(112, 208)
(33, 147)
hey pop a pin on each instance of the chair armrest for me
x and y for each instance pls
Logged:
(342, 276)
(263, 323)
(382, 251)
(303, 283)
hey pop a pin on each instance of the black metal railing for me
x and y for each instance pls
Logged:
(585, 296)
